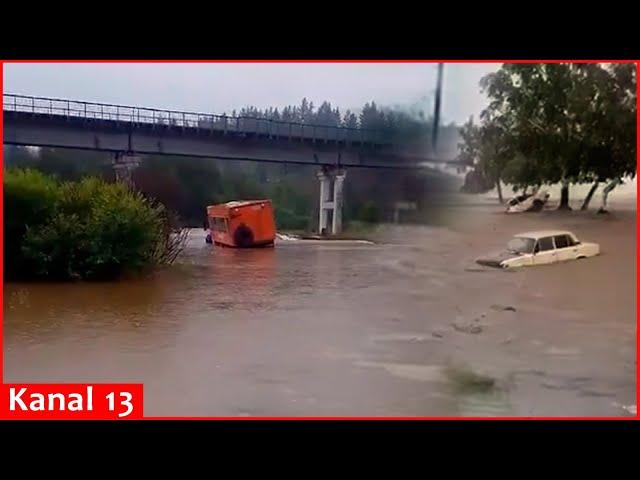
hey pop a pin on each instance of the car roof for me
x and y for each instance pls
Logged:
(544, 233)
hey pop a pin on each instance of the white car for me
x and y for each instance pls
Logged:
(528, 202)
(540, 248)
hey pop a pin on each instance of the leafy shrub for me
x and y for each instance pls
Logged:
(88, 230)
(30, 198)
(289, 220)
(369, 213)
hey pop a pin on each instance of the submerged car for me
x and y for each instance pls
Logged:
(528, 202)
(539, 248)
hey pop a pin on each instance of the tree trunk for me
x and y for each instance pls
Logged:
(605, 194)
(587, 200)
(499, 187)
(564, 197)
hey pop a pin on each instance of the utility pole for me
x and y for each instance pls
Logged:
(436, 113)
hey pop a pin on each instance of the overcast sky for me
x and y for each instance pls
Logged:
(222, 87)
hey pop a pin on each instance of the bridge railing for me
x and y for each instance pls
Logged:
(174, 118)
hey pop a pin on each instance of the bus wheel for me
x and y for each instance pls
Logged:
(243, 236)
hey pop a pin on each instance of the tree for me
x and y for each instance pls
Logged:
(371, 117)
(487, 147)
(565, 122)
(350, 120)
(336, 117)
(532, 100)
(324, 115)
(287, 114)
(306, 111)
(469, 154)
(610, 140)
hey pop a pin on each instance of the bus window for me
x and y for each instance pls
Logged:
(219, 224)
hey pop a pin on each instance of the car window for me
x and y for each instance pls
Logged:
(562, 241)
(545, 244)
(521, 245)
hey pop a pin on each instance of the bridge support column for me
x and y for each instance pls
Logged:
(338, 197)
(331, 199)
(124, 165)
(324, 194)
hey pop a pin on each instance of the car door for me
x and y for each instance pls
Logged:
(565, 250)
(545, 251)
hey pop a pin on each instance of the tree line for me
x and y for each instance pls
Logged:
(394, 124)
(187, 185)
(566, 123)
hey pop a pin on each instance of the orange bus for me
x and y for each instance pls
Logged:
(242, 224)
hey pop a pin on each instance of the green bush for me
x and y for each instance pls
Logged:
(29, 198)
(81, 230)
(289, 220)
(369, 213)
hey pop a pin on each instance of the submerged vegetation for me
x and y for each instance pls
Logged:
(466, 381)
(86, 229)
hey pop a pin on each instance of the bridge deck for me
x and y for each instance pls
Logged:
(140, 117)
(47, 122)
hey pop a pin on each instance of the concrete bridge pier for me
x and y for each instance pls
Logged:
(124, 165)
(331, 199)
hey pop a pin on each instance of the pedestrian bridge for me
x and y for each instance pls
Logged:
(129, 133)
(132, 130)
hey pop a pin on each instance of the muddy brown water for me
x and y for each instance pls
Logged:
(405, 326)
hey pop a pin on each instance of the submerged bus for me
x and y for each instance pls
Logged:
(242, 224)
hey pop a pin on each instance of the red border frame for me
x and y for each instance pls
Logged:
(2, 234)
(319, 61)
(637, 62)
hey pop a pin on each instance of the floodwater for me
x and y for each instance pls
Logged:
(408, 326)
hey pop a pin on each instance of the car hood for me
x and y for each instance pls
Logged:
(494, 259)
